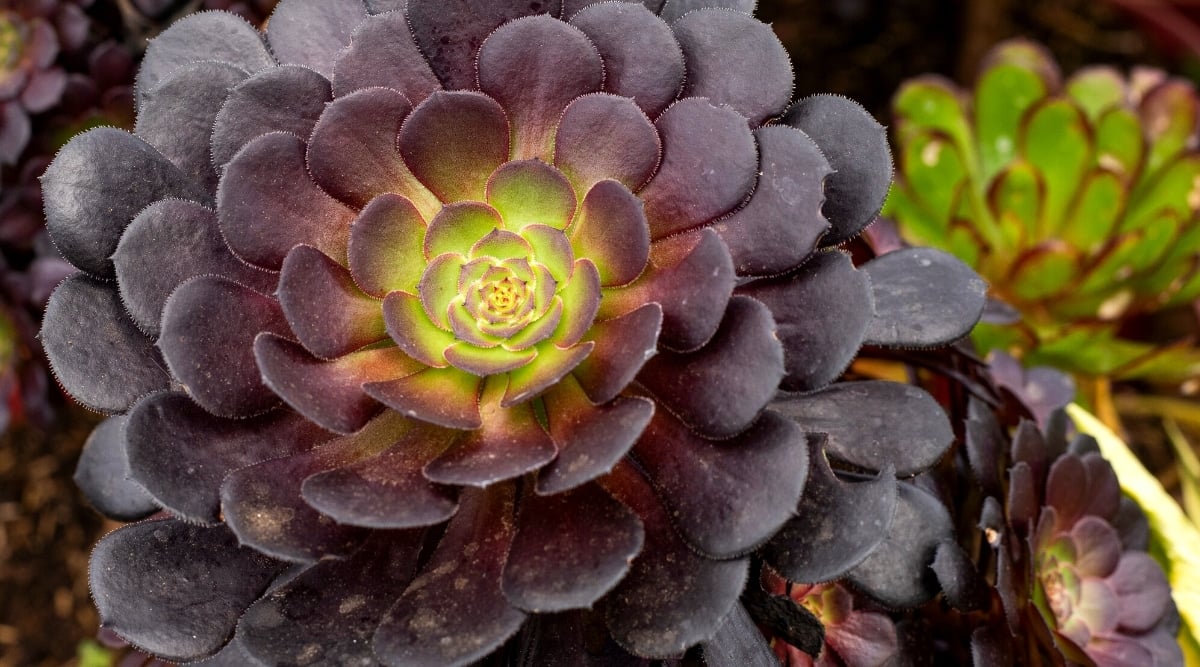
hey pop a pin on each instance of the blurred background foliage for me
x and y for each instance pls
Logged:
(865, 49)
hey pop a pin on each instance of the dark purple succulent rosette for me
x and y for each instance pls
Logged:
(1069, 552)
(471, 312)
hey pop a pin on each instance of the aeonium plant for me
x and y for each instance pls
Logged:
(1066, 553)
(425, 324)
(1076, 198)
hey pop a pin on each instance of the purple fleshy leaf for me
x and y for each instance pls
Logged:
(709, 165)
(384, 6)
(1132, 526)
(453, 141)
(89, 204)
(1023, 503)
(454, 612)
(779, 227)
(386, 246)
(329, 612)
(1104, 490)
(44, 90)
(217, 36)
(177, 116)
(1097, 547)
(744, 358)
(173, 589)
(263, 503)
(383, 53)
(15, 131)
(623, 346)
(734, 59)
(210, 322)
(280, 99)
(856, 146)
(232, 655)
(611, 230)
(103, 474)
(873, 425)
(324, 307)
(1067, 478)
(352, 153)
(602, 136)
(822, 313)
(1143, 592)
(95, 351)
(590, 438)
(693, 286)
(559, 639)
(509, 444)
(923, 298)
(727, 496)
(815, 546)
(189, 235)
(559, 560)
(573, 7)
(1029, 447)
(468, 356)
(446, 397)
(535, 67)
(984, 443)
(639, 615)
(181, 454)
(329, 392)
(267, 203)
(642, 60)
(897, 574)
(673, 10)
(991, 646)
(961, 583)
(1118, 653)
(738, 643)
(388, 491)
(450, 32)
(313, 32)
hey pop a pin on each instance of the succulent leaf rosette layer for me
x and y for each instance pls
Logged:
(471, 312)
(1077, 199)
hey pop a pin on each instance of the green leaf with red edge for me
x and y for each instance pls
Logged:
(930, 103)
(1097, 89)
(1003, 94)
(1120, 143)
(1044, 270)
(1056, 140)
(1096, 211)
(1016, 199)
(1171, 113)
(933, 168)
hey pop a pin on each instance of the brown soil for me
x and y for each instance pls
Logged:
(46, 533)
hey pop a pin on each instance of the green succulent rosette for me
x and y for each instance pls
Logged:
(1076, 199)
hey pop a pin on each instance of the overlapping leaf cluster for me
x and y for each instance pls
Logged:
(1068, 553)
(426, 321)
(1076, 199)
